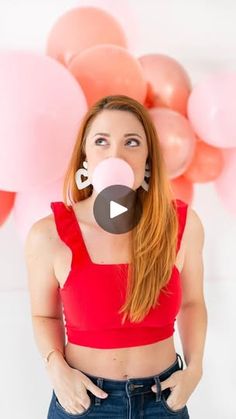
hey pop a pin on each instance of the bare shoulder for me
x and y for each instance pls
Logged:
(40, 245)
(40, 250)
(42, 233)
(194, 229)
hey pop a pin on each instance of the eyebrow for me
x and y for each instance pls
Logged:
(126, 135)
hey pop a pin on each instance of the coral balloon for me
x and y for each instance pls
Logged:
(106, 70)
(41, 106)
(124, 13)
(206, 165)
(182, 189)
(81, 28)
(211, 110)
(176, 137)
(225, 183)
(7, 202)
(168, 83)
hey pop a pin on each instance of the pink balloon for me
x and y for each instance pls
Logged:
(106, 70)
(211, 110)
(41, 106)
(31, 206)
(81, 28)
(177, 139)
(112, 171)
(225, 183)
(168, 82)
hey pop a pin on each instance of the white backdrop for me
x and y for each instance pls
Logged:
(201, 36)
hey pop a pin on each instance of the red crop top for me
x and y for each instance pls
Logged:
(93, 294)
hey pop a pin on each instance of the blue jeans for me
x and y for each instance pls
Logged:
(127, 399)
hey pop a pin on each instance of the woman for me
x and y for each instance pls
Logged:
(120, 359)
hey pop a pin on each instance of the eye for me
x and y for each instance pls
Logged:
(100, 138)
(134, 139)
(98, 141)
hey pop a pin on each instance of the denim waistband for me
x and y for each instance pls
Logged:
(134, 384)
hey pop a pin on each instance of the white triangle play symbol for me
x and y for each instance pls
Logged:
(116, 209)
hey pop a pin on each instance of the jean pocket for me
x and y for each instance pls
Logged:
(164, 396)
(74, 415)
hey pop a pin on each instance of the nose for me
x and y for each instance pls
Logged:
(115, 151)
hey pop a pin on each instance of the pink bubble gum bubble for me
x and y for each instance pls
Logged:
(112, 171)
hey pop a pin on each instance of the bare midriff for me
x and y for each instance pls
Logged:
(122, 363)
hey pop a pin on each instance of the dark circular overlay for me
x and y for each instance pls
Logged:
(117, 209)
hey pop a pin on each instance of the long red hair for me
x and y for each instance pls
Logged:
(153, 249)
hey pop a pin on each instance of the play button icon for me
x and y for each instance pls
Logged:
(117, 209)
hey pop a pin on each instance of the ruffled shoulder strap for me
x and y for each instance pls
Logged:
(66, 227)
(182, 208)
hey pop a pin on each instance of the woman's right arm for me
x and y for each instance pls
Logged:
(70, 385)
(46, 311)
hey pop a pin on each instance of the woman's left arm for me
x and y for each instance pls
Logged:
(192, 317)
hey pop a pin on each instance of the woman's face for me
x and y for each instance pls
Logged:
(116, 133)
